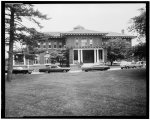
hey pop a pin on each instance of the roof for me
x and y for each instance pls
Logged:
(79, 30)
(53, 34)
(114, 34)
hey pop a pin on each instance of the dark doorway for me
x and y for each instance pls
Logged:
(88, 56)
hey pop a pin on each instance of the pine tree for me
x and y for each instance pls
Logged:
(14, 13)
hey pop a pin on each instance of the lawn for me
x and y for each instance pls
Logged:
(101, 93)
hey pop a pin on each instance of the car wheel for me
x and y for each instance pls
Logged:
(86, 70)
(48, 71)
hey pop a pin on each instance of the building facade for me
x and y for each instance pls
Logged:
(85, 46)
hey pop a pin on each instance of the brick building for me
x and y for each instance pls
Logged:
(85, 46)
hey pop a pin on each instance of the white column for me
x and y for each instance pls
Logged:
(97, 55)
(73, 56)
(24, 60)
(94, 55)
(13, 60)
(79, 55)
(103, 54)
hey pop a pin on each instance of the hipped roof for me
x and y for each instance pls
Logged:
(79, 30)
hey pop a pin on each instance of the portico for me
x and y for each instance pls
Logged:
(88, 55)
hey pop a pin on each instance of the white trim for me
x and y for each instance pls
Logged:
(81, 55)
(94, 55)
(73, 56)
(97, 55)
(103, 55)
(87, 48)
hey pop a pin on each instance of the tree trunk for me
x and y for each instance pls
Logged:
(111, 62)
(11, 41)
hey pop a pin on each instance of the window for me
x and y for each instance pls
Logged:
(55, 46)
(91, 42)
(44, 45)
(60, 45)
(53, 66)
(38, 45)
(37, 60)
(50, 46)
(46, 60)
(77, 42)
(84, 43)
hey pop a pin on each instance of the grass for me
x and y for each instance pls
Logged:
(101, 93)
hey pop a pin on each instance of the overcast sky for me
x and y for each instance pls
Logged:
(98, 17)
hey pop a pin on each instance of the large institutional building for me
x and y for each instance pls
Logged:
(85, 46)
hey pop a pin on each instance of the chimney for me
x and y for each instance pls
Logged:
(122, 31)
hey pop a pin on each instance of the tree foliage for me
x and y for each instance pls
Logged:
(139, 26)
(61, 56)
(16, 31)
(117, 49)
(140, 51)
(139, 23)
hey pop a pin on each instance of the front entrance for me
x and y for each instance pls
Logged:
(88, 56)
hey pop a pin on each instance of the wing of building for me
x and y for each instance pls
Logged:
(85, 46)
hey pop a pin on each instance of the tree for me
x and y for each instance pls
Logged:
(117, 49)
(139, 26)
(139, 51)
(61, 56)
(14, 13)
(139, 23)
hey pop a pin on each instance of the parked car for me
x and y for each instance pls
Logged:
(141, 64)
(91, 67)
(54, 68)
(127, 65)
(17, 70)
(124, 64)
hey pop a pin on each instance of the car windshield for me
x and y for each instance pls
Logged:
(55, 67)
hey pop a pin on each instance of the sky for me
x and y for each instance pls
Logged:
(98, 17)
